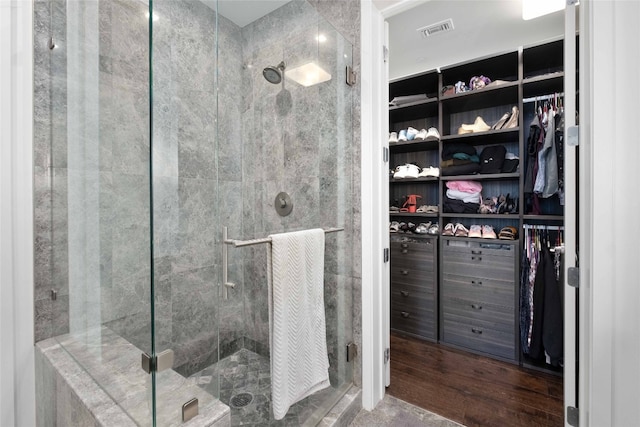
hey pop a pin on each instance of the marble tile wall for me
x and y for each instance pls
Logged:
(270, 140)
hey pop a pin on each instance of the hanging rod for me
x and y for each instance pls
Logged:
(543, 97)
(240, 243)
(543, 227)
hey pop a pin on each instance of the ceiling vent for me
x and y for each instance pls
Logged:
(437, 28)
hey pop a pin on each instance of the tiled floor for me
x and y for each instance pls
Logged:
(398, 413)
(248, 372)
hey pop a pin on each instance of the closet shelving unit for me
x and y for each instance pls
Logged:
(481, 318)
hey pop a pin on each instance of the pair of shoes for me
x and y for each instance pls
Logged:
(508, 233)
(427, 209)
(478, 126)
(434, 229)
(408, 170)
(457, 230)
(484, 231)
(508, 120)
(430, 171)
(431, 134)
(408, 134)
(394, 226)
(422, 228)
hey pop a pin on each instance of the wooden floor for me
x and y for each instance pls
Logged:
(470, 389)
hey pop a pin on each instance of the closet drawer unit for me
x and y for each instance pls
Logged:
(419, 256)
(494, 316)
(412, 296)
(421, 322)
(479, 247)
(412, 276)
(479, 338)
(479, 266)
(500, 292)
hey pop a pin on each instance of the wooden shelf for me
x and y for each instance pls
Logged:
(515, 217)
(480, 176)
(412, 180)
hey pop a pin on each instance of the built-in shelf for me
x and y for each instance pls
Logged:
(412, 180)
(513, 216)
(543, 217)
(500, 86)
(480, 176)
(413, 214)
(413, 145)
(488, 137)
(413, 104)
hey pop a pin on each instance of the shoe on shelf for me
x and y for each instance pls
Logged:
(394, 226)
(500, 123)
(393, 137)
(432, 135)
(402, 135)
(421, 135)
(513, 120)
(488, 233)
(401, 172)
(411, 133)
(461, 231)
(422, 228)
(431, 209)
(478, 126)
(475, 231)
(412, 171)
(449, 230)
(434, 229)
(508, 233)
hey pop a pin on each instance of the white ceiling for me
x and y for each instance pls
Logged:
(481, 28)
(244, 12)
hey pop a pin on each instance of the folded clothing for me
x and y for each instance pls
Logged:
(451, 148)
(466, 186)
(464, 156)
(464, 196)
(468, 169)
(458, 206)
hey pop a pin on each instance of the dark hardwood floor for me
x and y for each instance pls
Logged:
(471, 389)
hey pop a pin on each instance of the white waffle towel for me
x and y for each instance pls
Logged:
(297, 331)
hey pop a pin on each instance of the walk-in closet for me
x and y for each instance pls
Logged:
(477, 202)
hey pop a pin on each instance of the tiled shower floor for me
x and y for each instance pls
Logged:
(248, 372)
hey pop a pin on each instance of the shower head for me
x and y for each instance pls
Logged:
(274, 74)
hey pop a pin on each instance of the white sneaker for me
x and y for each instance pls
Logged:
(401, 172)
(430, 171)
(411, 133)
(412, 171)
(402, 135)
(421, 135)
(393, 138)
(432, 135)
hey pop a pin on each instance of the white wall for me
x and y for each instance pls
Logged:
(610, 148)
(17, 384)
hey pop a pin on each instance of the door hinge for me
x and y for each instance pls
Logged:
(385, 154)
(573, 277)
(352, 351)
(161, 362)
(573, 416)
(385, 53)
(351, 76)
(387, 355)
(385, 256)
(573, 136)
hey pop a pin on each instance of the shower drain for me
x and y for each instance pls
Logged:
(241, 400)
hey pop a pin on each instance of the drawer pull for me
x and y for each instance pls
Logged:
(404, 251)
(476, 283)
(404, 245)
(404, 314)
(476, 306)
(476, 331)
(404, 293)
(476, 258)
(476, 252)
(404, 272)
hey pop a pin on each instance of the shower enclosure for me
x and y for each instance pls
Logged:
(154, 130)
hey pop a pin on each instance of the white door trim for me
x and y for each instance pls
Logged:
(17, 369)
(375, 324)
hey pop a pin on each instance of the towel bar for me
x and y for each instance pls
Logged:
(240, 243)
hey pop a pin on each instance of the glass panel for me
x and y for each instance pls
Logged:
(186, 228)
(92, 105)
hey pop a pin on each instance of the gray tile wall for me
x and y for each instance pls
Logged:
(268, 142)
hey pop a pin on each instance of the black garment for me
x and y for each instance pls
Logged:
(468, 169)
(458, 206)
(536, 349)
(524, 303)
(552, 330)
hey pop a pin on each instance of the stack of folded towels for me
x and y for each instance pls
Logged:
(459, 158)
(462, 197)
